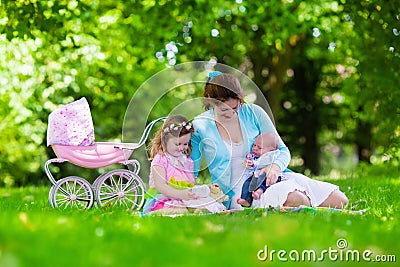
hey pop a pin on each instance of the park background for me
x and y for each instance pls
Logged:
(329, 70)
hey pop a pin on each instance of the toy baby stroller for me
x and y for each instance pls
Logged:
(71, 136)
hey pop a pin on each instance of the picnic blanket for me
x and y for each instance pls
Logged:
(314, 210)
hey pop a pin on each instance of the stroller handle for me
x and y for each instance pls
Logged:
(145, 134)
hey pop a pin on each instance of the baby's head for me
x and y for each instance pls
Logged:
(265, 142)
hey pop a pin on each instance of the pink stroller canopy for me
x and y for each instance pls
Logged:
(71, 125)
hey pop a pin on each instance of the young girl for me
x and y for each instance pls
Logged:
(171, 173)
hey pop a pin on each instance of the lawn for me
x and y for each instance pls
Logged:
(33, 234)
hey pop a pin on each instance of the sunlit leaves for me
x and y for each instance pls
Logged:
(56, 51)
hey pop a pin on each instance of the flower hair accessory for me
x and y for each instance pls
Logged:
(214, 74)
(175, 127)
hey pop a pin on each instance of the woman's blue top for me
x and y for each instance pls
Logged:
(207, 142)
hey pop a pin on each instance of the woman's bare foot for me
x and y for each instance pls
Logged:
(256, 194)
(296, 199)
(243, 202)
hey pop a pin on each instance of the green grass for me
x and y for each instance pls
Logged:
(33, 234)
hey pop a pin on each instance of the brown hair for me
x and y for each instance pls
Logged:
(221, 88)
(174, 125)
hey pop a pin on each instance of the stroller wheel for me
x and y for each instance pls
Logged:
(71, 192)
(50, 198)
(120, 187)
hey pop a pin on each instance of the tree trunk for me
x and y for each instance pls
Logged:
(270, 73)
(363, 141)
(306, 79)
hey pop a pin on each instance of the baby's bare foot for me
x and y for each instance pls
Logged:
(243, 202)
(256, 194)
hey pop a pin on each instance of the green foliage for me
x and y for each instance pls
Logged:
(373, 85)
(54, 52)
(22, 126)
(41, 236)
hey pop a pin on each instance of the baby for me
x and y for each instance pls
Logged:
(263, 153)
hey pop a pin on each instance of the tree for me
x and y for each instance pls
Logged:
(373, 85)
(301, 54)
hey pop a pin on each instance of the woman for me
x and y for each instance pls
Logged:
(224, 134)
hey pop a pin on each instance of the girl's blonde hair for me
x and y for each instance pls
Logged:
(174, 126)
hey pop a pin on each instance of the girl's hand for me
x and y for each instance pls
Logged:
(187, 194)
(272, 173)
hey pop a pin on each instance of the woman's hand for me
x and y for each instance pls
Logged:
(272, 173)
